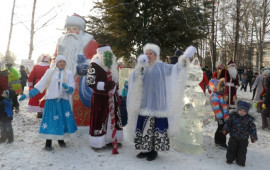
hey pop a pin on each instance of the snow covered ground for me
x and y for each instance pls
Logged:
(27, 152)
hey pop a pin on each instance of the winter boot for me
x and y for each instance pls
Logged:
(3, 137)
(223, 146)
(48, 145)
(39, 114)
(142, 155)
(3, 140)
(10, 139)
(152, 155)
(62, 144)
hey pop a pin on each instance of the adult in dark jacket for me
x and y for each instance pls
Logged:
(24, 77)
(208, 73)
(249, 76)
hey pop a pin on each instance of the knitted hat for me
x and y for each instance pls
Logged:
(8, 65)
(153, 47)
(178, 53)
(60, 57)
(75, 20)
(213, 84)
(243, 105)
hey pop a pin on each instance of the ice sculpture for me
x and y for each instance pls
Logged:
(190, 137)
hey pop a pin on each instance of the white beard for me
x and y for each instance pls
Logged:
(72, 46)
(233, 72)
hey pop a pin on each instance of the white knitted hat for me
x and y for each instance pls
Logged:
(60, 57)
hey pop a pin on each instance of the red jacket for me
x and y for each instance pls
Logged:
(204, 82)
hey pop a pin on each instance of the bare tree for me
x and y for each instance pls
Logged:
(8, 54)
(36, 27)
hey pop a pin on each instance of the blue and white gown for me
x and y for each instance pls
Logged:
(154, 98)
(58, 119)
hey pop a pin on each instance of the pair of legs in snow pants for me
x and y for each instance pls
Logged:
(237, 150)
(6, 131)
(220, 138)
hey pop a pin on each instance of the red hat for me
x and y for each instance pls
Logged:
(231, 62)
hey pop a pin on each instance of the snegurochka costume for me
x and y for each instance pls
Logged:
(58, 120)
(154, 100)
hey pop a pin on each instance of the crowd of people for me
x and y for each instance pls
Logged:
(79, 86)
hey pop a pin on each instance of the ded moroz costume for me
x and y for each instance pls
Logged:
(105, 119)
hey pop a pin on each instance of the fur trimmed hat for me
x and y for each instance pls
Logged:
(60, 57)
(45, 58)
(243, 105)
(231, 63)
(75, 20)
(103, 48)
(153, 47)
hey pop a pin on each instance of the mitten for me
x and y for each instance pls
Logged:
(109, 85)
(67, 88)
(81, 59)
(33, 92)
(190, 51)
(82, 69)
(22, 97)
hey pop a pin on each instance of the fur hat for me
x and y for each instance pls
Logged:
(217, 85)
(75, 20)
(231, 63)
(60, 57)
(103, 48)
(243, 105)
(45, 58)
(153, 47)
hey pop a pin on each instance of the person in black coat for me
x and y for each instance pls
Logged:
(24, 77)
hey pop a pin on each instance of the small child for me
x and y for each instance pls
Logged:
(6, 116)
(220, 109)
(240, 126)
(244, 83)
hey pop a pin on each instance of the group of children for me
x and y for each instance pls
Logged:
(239, 124)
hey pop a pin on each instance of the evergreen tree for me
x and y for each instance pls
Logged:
(126, 25)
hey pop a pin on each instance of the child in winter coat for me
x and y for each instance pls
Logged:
(220, 108)
(240, 126)
(244, 83)
(6, 116)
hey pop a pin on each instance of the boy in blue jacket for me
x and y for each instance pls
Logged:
(240, 126)
(6, 116)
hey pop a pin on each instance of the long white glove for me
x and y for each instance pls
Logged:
(190, 51)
